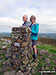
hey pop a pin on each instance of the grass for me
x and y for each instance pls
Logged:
(2, 56)
(1, 73)
(1, 66)
(0, 48)
(37, 74)
(51, 49)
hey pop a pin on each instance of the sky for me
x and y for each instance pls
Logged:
(11, 12)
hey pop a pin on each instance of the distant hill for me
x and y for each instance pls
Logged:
(44, 35)
(3, 34)
(48, 41)
(48, 35)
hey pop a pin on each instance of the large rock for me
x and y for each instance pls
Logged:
(20, 53)
(7, 73)
(21, 46)
(19, 73)
(47, 60)
(13, 72)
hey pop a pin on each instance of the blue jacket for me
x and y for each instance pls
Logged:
(34, 31)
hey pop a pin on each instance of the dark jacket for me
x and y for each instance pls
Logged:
(26, 24)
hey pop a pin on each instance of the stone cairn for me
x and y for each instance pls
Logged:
(22, 51)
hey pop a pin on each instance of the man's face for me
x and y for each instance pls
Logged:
(24, 18)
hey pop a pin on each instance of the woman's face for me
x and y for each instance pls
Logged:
(33, 20)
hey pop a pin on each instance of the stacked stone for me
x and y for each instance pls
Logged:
(21, 47)
(21, 50)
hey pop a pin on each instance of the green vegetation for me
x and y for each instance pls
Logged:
(42, 63)
(37, 74)
(51, 49)
(2, 55)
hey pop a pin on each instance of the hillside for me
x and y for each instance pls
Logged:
(48, 41)
(46, 56)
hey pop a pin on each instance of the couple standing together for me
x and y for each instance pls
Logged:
(34, 28)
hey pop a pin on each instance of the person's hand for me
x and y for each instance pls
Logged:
(29, 29)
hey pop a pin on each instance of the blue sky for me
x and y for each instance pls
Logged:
(11, 12)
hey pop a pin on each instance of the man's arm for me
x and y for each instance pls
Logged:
(28, 23)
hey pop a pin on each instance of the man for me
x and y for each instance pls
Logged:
(26, 22)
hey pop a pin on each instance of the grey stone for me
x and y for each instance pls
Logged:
(17, 44)
(7, 73)
(19, 73)
(41, 52)
(47, 60)
(13, 72)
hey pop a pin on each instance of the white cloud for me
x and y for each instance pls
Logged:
(7, 23)
(13, 10)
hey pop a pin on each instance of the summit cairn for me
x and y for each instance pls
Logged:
(21, 51)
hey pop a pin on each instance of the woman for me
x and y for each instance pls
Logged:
(34, 28)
